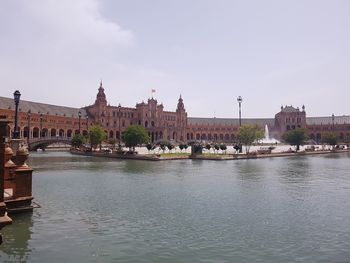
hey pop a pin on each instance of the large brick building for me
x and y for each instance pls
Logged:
(57, 121)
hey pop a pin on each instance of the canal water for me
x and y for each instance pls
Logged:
(292, 209)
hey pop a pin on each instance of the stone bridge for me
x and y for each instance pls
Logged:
(43, 142)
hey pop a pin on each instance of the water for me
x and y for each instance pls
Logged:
(293, 209)
(267, 138)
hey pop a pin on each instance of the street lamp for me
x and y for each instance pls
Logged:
(333, 121)
(41, 125)
(28, 131)
(119, 107)
(79, 115)
(16, 96)
(87, 122)
(239, 99)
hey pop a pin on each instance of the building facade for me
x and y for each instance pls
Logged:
(39, 120)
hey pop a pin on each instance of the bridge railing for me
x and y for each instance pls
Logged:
(50, 138)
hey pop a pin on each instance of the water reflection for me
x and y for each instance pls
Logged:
(252, 169)
(16, 236)
(294, 169)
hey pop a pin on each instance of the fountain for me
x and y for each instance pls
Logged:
(267, 138)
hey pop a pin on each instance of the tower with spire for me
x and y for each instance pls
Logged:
(101, 104)
(181, 118)
(101, 96)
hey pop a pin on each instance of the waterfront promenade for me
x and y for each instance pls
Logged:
(230, 154)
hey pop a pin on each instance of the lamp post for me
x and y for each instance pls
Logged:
(333, 121)
(16, 96)
(41, 125)
(28, 131)
(119, 107)
(79, 115)
(239, 99)
(87, 122)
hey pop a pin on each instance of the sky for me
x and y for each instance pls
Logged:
(271, 53)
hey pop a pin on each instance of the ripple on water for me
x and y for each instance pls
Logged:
(103, 210)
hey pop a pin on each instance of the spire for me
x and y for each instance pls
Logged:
(101, 86)
(180, 104)
(101, 96)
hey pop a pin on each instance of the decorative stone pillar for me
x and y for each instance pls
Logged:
(4, 219)
(20, 182)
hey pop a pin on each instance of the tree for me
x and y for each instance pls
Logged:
(96, 135)
(296, 137)
(112, 142)
(170, 146)
(330, 138)
(135, 135)
(78, 140)
(163, 145)
(236, 147)
(248, 134)
(223, 147)
(149, 147)
(216, 147)
(181, 146)
(208, 147)
(185, 147)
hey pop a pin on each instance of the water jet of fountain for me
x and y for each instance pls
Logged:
(267, 134)
(267, 138)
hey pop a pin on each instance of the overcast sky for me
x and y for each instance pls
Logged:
(211, 51)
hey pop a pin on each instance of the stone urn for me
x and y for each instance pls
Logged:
(8, 156)
(21, 157)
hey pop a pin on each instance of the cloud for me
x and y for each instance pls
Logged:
(62, 22)
(57, 46)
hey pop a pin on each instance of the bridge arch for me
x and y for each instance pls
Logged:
(42, 143)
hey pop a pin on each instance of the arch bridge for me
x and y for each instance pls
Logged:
(43, 142)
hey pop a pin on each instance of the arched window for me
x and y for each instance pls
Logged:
(44, 132)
